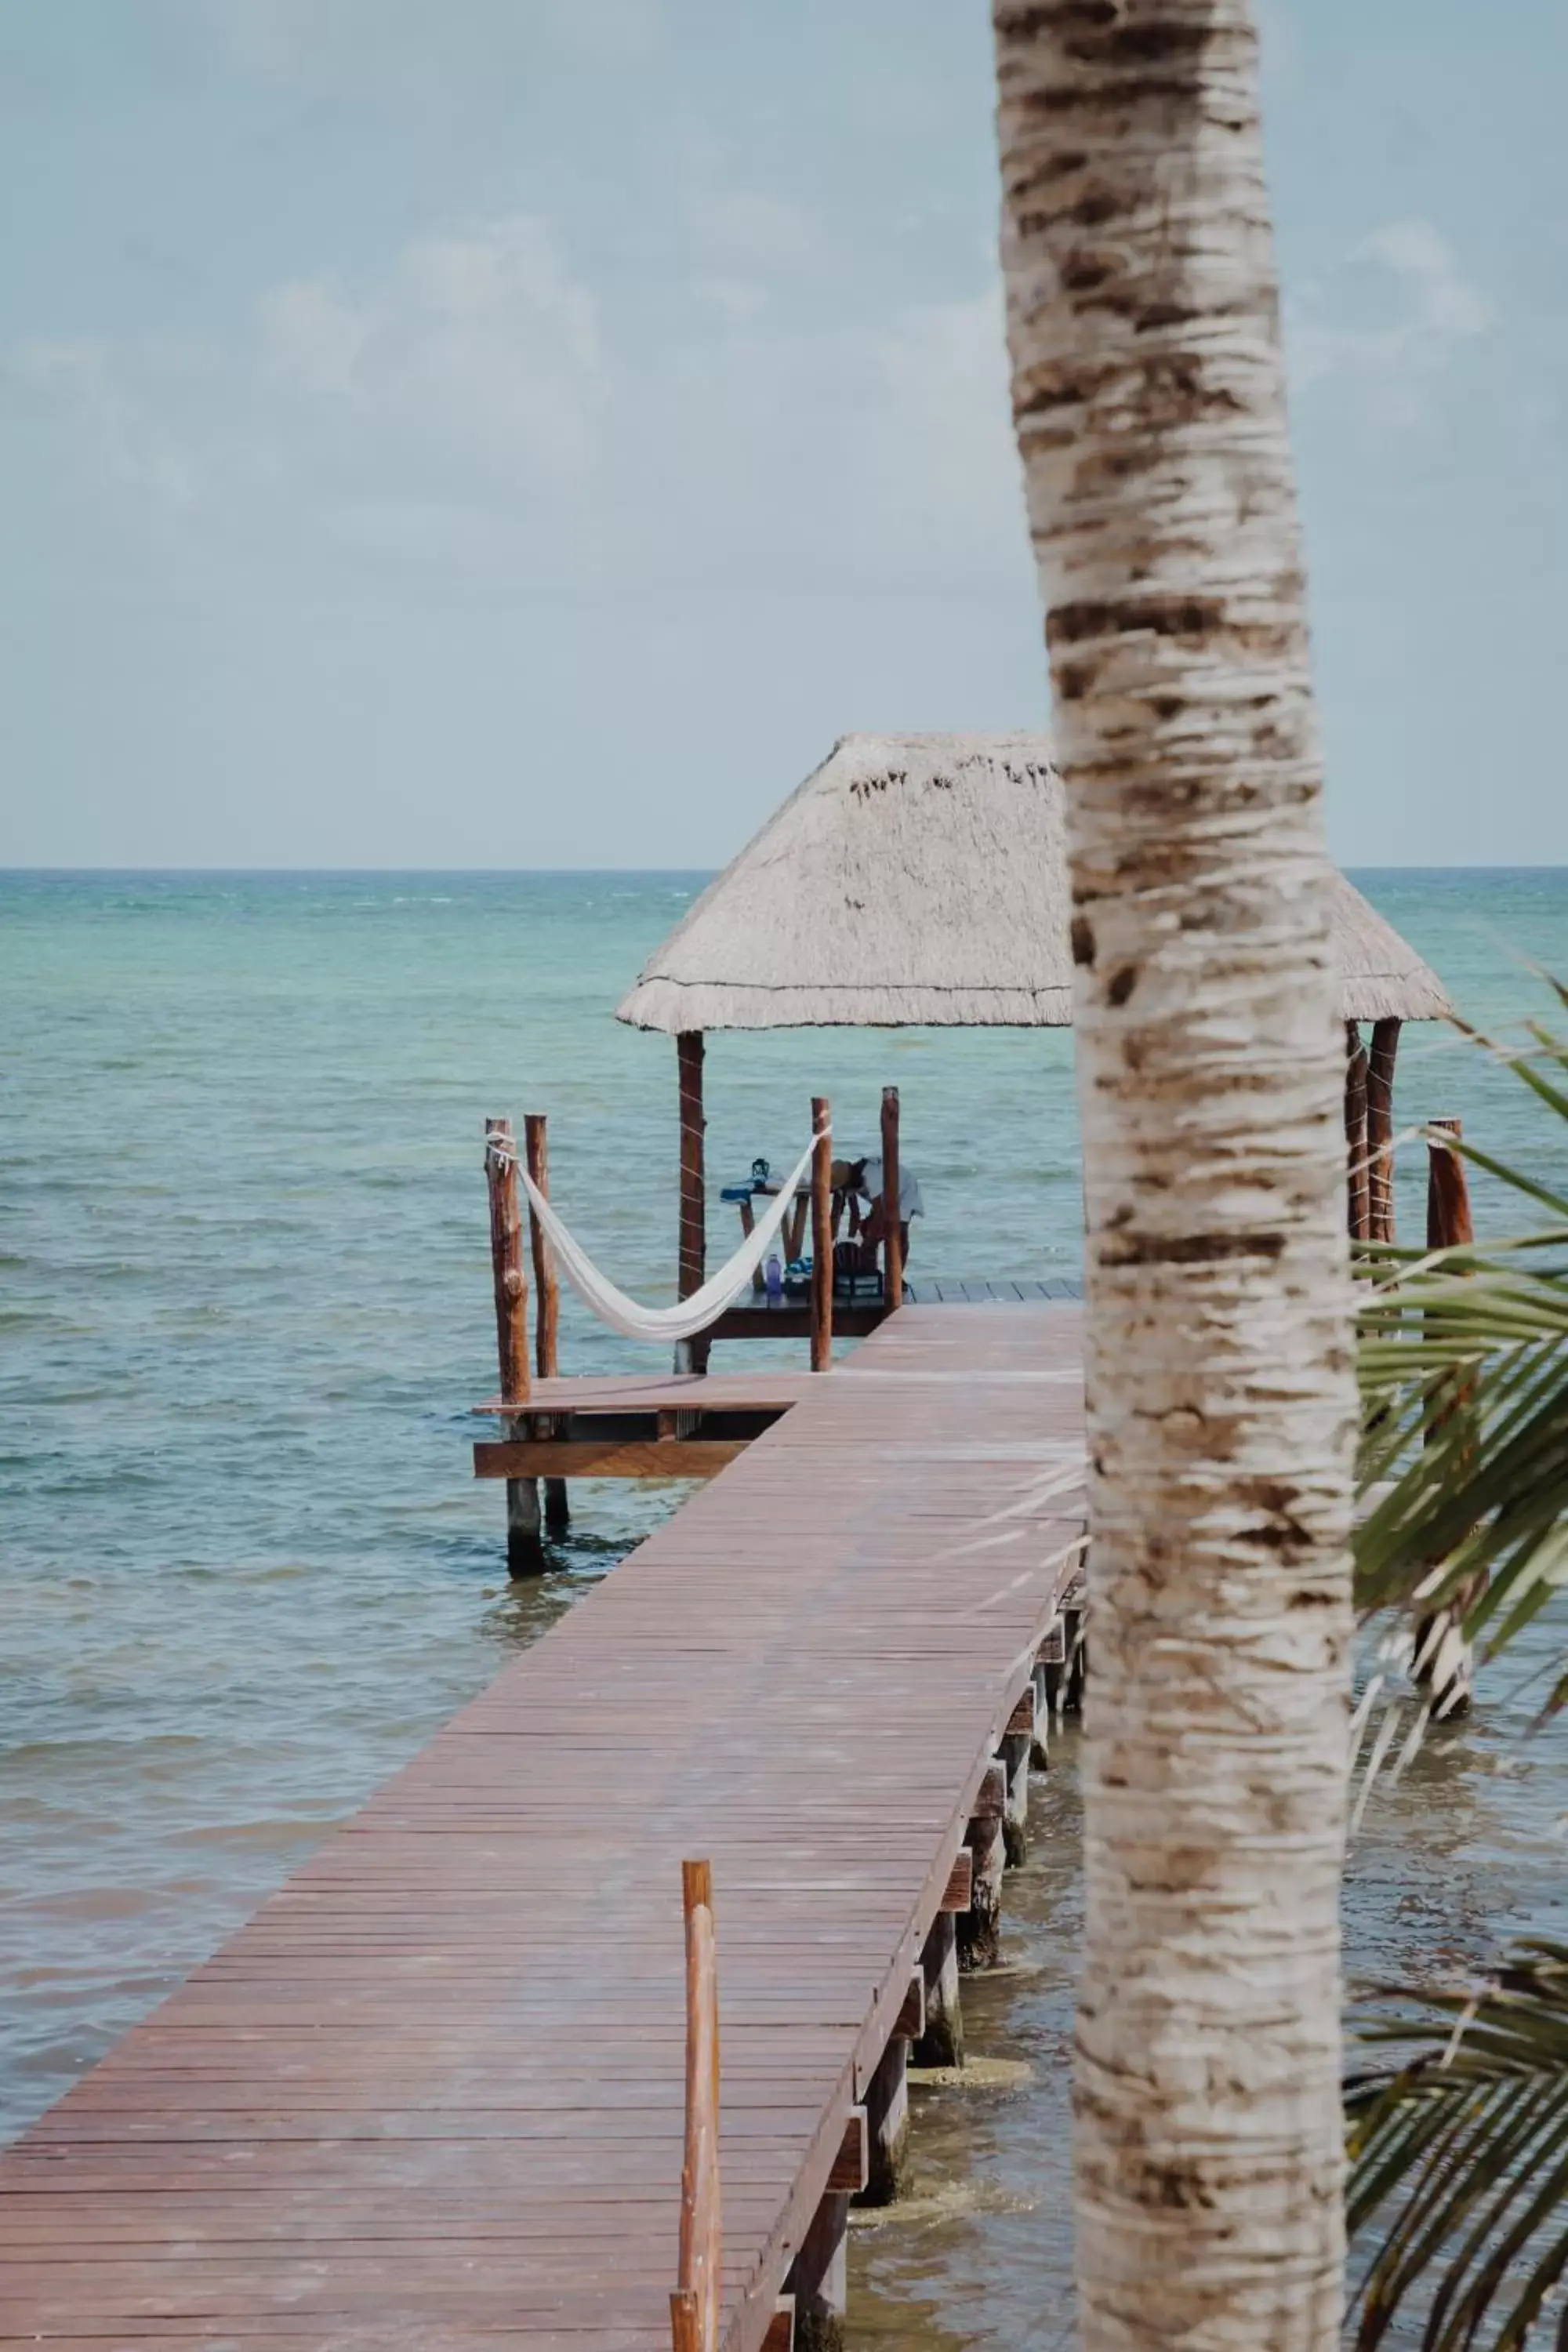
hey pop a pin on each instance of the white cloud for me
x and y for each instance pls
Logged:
(479, 345)
(871, 456)
(458, 399)
(1413, 309)
(471, 409)
(121, 440)
(1443, 302)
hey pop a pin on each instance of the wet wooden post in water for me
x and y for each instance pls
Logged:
(980, 1927)
(694, 2306)
(1380, 1128)
(691, 1355)
(1358, 1208)
(524, 1548)
(1444, 1660)
(888, 2102)
(892, 1199)
(547, 1308)
(940, 2042)
(821, 1233)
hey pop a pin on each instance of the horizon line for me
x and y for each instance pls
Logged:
(480, 873)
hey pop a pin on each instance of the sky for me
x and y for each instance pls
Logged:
(526, 433)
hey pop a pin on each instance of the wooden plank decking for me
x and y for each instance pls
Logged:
(757, 1318)
(431, 2095)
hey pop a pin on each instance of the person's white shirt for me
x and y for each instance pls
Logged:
(909, 1202)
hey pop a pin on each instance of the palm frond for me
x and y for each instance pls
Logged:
(1463, 1365)
(1466, 2137)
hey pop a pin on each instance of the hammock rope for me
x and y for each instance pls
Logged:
(659, 1324)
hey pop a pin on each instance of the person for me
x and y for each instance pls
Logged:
(857, 1192)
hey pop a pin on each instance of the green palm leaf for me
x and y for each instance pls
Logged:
(1463, 1366)
(1466, 2138)
(1459, 2148)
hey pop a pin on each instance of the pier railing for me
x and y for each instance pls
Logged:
(694, 2306)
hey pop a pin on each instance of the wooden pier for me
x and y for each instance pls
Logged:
(432, 2095)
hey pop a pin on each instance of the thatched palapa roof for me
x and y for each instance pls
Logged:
(918, 879)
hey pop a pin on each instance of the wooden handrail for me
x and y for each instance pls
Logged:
(694, 2306)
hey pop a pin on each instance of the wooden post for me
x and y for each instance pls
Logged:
(893, 1235)
(1014, 1752)
(524, 1550)
(691, 1268)
(819, 2277)
(506, 1260)
(1358, 1212)
(1075, 1673)
(1380, 1127)
(888, 2125)
(1449, 1221)
(980, 1927)
(694, 2306)
(547, 1308)
(1444, 1662)
(821, 1235)
(941, 2043)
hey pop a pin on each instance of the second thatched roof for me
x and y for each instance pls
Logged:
(922, 879)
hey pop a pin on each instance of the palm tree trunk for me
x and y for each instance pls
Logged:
(1148, 400)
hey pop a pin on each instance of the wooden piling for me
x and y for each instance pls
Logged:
(894, 1232)
(506, 1260)
(1039, 1736)
(547, 1301)
(691, 1355)
(888, 2125)
(1443, 1661)
(1014, 1754)
(694, 2306)
(1358, 1209)
(1380, 1128)
(1075, 1673)
(1449, 1224)
(980, 1927)
(524, 1546)
(941, 2043)
(821, 1233)
(819, 2277)
(1050, 1663)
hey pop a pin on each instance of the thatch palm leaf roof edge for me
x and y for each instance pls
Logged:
(922, 880)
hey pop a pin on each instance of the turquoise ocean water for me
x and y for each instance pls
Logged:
(245, 1306)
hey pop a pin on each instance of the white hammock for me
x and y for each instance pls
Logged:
(690, 1315)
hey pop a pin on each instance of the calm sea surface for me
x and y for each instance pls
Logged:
(245, 1304)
